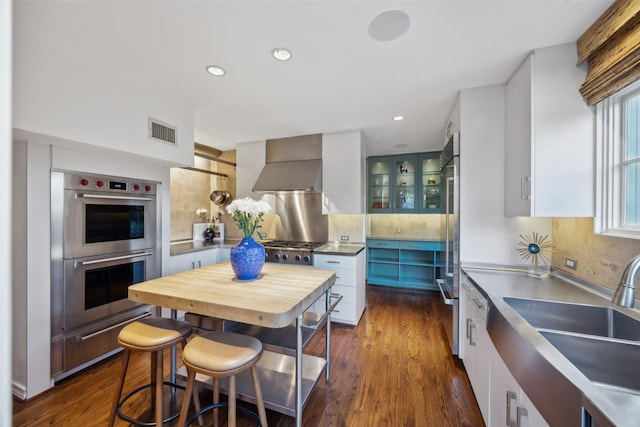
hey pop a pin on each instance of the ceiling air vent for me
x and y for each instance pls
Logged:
(162, 131)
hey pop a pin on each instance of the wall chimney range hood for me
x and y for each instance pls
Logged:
(292, 164)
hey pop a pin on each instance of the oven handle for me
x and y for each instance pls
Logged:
(104, 196)
(446, 293)
(115, 258)
(117, 325)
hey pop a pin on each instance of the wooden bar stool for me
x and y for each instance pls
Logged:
(152, 335)
(221, 354)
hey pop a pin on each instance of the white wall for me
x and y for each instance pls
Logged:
(487, 236)
(5, 213)
(60, 96)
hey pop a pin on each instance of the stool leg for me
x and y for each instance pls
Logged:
(152, 377)
(216, 399)
(184, 410)
(116, 400)
(159, 380)
(258, 391)
(232, 401)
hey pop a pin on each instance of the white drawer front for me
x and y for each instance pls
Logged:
(348, 293)
(344, 312)
(345, 277)
(334, 261)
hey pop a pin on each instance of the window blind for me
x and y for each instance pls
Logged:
(612, 48)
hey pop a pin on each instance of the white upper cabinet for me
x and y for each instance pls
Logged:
(549, 137)
(343, 170)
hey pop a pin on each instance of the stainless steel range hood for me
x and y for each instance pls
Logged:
(292, 164)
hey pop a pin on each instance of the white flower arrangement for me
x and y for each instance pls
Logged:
(247, 214)
(203, 214)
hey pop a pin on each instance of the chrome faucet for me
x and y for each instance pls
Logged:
(625, 294)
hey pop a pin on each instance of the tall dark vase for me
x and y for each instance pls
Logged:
(247, 259)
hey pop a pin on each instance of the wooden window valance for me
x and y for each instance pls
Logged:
(612, 47)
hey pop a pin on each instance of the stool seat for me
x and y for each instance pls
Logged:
(221, 352)
(152, 333)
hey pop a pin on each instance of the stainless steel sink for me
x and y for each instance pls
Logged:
(606, 363)
(577, 318)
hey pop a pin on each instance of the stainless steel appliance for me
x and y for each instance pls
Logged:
(104, 239)
(450, 282)
(291, 252)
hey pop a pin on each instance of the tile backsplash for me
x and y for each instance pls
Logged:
(600, 259)
(403, 226)
(190, 191)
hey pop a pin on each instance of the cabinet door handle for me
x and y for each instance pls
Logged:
(525, 190)
(193, 265)
(521, 412)
(472, 335)
(469, 328)
(199, 263)
(511, 395)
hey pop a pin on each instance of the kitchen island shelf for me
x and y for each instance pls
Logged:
(276, 367)
(404, 263)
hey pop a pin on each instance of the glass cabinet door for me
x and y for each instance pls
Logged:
(404, 188)
(430, 201)
(379, 185)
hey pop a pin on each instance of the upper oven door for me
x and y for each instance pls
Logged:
(98, 223)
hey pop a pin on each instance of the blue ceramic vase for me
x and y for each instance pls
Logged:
(247, 259)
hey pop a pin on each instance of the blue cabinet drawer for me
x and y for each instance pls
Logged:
(420, 246)
(385, 244)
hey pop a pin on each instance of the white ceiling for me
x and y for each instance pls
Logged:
(339, 77)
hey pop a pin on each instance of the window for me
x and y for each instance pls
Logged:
(618, 164)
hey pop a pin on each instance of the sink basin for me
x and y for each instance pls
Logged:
(577, 318)
(609, 364)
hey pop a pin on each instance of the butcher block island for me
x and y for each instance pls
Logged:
(271, 308)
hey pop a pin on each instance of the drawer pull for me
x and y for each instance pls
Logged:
(333, 262)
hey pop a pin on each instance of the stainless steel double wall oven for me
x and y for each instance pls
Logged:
(104, 239)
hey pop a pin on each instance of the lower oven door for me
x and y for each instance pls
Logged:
(97, 288)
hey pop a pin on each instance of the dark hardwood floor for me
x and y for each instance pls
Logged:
(393, 369)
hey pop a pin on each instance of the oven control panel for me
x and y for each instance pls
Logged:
(77, 181)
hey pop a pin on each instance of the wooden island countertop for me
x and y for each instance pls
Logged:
(274, 299)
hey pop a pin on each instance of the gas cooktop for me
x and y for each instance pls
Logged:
(292, 244)
(290, 251)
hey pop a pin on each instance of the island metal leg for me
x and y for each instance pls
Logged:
(299, 371)
(174, 315)
(328, 335)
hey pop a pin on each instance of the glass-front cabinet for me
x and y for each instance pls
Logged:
(430, 188)
(404, 184)
(407, 183)
(379, 185)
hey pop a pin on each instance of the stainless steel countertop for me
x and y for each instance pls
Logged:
(344, 249)
(178, 248)
(551, 382)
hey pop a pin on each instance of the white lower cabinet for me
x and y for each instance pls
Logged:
(510, 406)
(192, 260)
(476, 353)
(502, 401)
(350, 283)
(224, 253)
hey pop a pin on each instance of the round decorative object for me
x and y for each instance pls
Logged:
(247, 259)
(209, 234)
(536, 247)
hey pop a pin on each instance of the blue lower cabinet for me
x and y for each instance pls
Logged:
(404, 263)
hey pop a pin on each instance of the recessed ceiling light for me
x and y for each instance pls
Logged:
(281, 54)
(215, 70)
(398, 118)
(389, 25)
